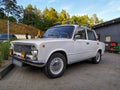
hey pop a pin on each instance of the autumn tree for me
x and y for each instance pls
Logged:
(46, 20)
(91, 21)
(84, 20)
(64, 17)
(74, 20)
(50, 17)
(81, 20)
(53, 15)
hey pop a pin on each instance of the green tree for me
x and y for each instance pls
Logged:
(85, 20)
(74, 20)
(10, 7)
(81, 20)
(46, 13)
(64, 17)
(53, 15)
(95, 18)
(50, 17)
(101, 21)
(31, 15)
(2, 15)
(12, 19)
(46, 20)
(91, 21)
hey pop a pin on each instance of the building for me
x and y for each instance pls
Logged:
(108, 31)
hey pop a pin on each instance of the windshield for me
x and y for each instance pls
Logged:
(59, 32)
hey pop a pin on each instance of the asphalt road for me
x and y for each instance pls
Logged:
(79, 76)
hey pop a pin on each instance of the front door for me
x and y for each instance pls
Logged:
(80, 46)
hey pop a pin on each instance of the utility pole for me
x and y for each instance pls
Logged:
(8, 28)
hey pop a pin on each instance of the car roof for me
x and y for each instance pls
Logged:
(67, 25)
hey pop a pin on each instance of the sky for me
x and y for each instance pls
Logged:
(105, 9)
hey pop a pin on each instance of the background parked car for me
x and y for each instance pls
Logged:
(4, 37)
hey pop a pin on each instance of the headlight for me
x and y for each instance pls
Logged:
(34, 51)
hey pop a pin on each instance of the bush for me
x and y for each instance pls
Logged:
(0, 55)
(4, 50)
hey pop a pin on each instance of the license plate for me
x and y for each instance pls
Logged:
(18, 63)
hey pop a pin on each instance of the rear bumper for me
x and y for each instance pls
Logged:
(28, 61)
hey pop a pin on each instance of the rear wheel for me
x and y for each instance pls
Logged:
(55, 66)
(97, 58)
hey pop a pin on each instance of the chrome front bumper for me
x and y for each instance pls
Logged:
(28, 61)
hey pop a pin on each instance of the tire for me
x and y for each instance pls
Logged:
(97, 58)
(55, 66)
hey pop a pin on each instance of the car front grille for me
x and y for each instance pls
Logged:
(21, 48)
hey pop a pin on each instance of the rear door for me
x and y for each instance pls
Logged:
(92, 43)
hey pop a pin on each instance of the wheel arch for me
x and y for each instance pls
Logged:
(59, 51)
(100, 50)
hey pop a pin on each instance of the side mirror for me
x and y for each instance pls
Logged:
(77, 36)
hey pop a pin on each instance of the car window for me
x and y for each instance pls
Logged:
(59, 32)
(81, 34)
(91, 35)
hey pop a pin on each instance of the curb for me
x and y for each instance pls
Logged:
(7, 69)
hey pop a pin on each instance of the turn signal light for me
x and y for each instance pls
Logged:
(10, 52)
(23, 54)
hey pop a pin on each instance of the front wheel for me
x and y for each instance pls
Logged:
(55, 66)
(97, 58)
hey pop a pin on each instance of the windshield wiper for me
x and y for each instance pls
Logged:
(52, 35)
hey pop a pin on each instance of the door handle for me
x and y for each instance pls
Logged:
(97, 43)
(87, 43)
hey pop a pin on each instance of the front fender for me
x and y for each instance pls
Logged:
(54, 51)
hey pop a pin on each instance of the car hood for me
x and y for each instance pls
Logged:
(39, 41)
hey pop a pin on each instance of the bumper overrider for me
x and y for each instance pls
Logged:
(28, 61)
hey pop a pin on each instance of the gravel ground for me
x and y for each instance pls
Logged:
(79, 76)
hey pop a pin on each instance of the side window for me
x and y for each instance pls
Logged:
(80, 35)
(91, 35)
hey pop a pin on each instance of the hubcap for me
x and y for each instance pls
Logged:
(56, 65)
(98, 57)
